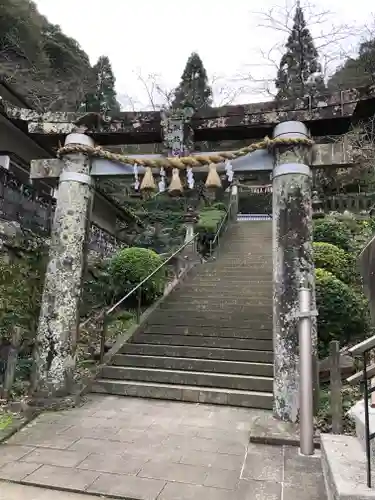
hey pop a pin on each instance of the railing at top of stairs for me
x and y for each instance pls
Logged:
(366, 375)
(230, 216)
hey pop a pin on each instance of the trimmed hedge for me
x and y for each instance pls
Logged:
(209, 222)
(332, 231)
(333, 259)
(132, 265)
(343, 313)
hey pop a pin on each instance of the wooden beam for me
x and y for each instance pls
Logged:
(363, 346)
(358, 377)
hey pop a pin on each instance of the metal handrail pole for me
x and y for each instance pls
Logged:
(367, 419)
(306, 374)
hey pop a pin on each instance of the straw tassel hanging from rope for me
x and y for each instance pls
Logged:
(148, 182)
(175, 187)
(213, 180)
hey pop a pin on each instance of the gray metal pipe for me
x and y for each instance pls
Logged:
(306, 374)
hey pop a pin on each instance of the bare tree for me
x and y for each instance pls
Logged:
(226, 91)
(333, 42)
(158, 96)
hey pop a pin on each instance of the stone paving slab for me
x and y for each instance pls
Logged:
(12, 491)
(157, 450)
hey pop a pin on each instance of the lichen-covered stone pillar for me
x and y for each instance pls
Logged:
(292, 263)
(58, 321)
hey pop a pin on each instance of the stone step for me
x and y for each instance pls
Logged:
(248, 287)
(182, 377)
(251, 240)
(219, 295)
(245, 253)
(250, 270)
(242, 256)
(236, 267)
(254, 242)
(210, 331)
(244, 248)
(197, 352)
(194, 365)
(247, 262)
(241, 261)
(219, 302)
(209, 395)
(238, 320)
(253, 287)
(262, 232)
(237, 276)
(200, 341)
(230, 280)
(207, 281)
(217, 307)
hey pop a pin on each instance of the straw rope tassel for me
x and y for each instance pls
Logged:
(148, 181)
(175, 187)
(213, 180)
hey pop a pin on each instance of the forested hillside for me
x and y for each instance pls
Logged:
(44, 65)
(358, 71)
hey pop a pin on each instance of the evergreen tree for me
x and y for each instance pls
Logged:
(193, 89)
(300, 70)
(104, 97)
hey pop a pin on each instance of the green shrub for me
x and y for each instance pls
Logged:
(21, 285)
(343, 313)
(219, 205)
(333, 259)
(132, 265)
(332, 231)
(209, 222)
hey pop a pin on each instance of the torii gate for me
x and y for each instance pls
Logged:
(288, 160)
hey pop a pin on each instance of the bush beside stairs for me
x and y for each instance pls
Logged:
(211, 339)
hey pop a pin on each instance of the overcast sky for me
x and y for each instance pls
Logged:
(157, 36)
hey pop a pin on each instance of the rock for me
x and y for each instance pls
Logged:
(10, 234)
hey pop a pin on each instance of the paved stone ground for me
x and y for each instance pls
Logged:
(13, 491)
(150, 449)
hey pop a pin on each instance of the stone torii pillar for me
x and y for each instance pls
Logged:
(293, 265)
(58, 321)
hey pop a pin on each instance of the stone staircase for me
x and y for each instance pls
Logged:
(211, 339)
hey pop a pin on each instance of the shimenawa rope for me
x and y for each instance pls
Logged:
(184, 161)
